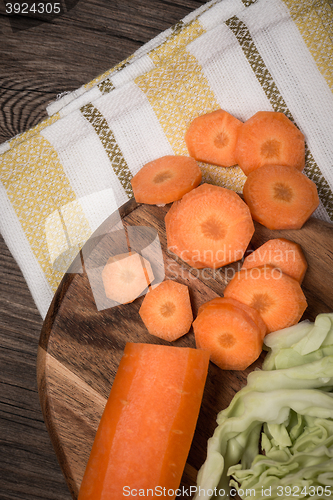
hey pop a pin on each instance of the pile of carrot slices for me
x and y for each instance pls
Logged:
(269, 149)
(206, 226)
(264, 296)
(210, 226)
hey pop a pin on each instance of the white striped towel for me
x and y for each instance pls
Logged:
(74, 168)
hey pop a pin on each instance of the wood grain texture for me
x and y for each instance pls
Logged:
(37, 64)
(80, 347)
(42, 61)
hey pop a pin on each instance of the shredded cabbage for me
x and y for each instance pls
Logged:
(277, 432)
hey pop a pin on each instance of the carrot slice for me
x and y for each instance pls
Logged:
(212, 138)
(126, 276)
(210, 227)
(280, 197)
(173, 243)
(269, 137)
(282, 253)
(166, 310)
(277, 297)
(148, 423)
(220, 302)
(233, 340)
(165, 179)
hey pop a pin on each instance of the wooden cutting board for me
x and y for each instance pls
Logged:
(80, 347)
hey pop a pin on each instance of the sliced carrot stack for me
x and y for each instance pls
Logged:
(282, 253)
(232, 338)
(277, 297)
(220, 302)
(269, 137)
(210, 227)
(166, 310)
(166, 179)
(280, 197)
(212, 138)
(126, 276)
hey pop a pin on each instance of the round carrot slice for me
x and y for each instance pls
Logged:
(212, 138)
(126, 276)
(282, 253)
(233, 340)
(277, 297)
(209, 227)
(220, 302)
(166, 310)
(269, 137)
(165, 179)
(280, 197)
(175, 247)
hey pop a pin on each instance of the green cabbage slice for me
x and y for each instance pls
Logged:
(275, 439)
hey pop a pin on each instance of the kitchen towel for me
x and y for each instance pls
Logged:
(61, 179)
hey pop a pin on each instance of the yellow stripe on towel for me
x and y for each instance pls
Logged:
(178, 92)
(24, 136)
(45, 204)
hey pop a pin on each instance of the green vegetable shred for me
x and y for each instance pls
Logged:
(275, 439)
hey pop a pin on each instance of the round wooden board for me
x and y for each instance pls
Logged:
(80, 347)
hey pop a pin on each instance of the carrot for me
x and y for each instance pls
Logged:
(210, 227)
(165, 179)
(212, 138)
(220, 302)
(277, 297)
(282, 253)
(280, 197)
(229, 334)
(126, 276)
(166, 310)
(147, 426)
(269, 137)
(172, 237)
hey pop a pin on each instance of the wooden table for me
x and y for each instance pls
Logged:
(39, 60)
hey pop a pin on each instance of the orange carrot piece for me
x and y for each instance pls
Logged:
(165, 179)
(231, 337)
(277, 297)
(280, 197)
(147, 426)
(166, 310)
(212, 138)
(282, 253)
(210, 227)
(126, 276)
(173, 243)
(269, 137)
(220, 302)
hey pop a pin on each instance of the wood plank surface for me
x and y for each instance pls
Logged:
(81, 346)
(38, 61)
